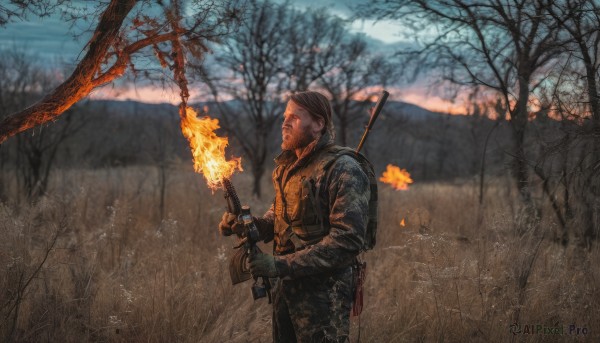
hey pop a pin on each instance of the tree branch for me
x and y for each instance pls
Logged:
(80, 83)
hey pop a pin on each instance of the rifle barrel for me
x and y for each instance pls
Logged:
(380, 102)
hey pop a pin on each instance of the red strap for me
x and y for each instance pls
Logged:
(359, 281)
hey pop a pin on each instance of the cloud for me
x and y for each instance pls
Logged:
(48, 37)
(386, 31)
(52, 37)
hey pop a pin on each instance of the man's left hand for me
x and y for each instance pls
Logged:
(263, 265)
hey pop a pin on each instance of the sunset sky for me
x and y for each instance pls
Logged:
(50, 39)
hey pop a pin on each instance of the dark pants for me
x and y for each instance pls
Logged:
(313, 309)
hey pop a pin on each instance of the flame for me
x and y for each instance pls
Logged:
(207, 148)
(398, 178)
(402, 222)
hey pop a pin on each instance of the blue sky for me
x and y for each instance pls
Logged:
(385, 31)
(51, 37)
(47, 37)
(51, 40)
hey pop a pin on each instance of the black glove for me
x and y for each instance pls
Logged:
(263, 265)
(229, 225)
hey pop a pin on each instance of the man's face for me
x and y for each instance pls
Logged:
(299, 128)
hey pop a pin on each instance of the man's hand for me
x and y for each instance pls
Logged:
(263, 265)
(229, 225)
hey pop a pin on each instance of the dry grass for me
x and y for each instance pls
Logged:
(112, 271)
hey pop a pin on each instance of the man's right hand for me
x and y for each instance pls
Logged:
(229, 225)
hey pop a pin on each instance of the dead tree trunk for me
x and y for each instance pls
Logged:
(519, 165)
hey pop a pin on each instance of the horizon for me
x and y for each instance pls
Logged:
(157, 95)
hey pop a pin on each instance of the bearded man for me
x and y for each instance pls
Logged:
(317, 222)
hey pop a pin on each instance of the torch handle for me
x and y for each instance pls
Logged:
(238, 270)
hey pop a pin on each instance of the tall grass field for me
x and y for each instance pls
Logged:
(93, 262)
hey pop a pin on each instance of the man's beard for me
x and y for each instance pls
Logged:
(297, 140)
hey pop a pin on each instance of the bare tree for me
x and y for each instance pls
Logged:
(503, 46)
(581, 20)
(356, 73)
(571, 162)
(19, 81)
(32, 156)
(277, 49)
(125, 29)
(313, 40)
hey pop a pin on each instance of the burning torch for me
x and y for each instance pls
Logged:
(208, 150)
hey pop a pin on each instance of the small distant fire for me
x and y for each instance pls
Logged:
(402, 222)
(398, 178)
(207, 148)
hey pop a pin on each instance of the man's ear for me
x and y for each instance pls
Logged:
(319, 124)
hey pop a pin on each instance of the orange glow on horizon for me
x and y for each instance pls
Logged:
(155, 95)
(149, 94)
(416, 96)
(432, 103)
(145, 94)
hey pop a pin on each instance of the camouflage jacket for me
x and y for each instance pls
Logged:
(331, 235)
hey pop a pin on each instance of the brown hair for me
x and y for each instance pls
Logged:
(317, 105)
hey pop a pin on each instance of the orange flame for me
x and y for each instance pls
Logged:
(402, 222)
(208, 149)
(398, 178)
